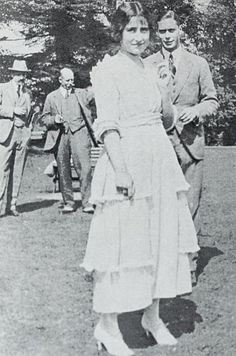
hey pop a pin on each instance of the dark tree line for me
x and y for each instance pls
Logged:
(77, 34)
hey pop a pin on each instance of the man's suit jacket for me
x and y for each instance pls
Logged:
(192, 86)
(53, 106)
(8, 101)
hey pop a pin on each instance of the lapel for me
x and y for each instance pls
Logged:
(81, 96)
(182, 74)
(58, 100)
(80, 100)
(78, 97)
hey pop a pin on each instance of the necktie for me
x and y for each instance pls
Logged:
(172, 67)
(67, 94)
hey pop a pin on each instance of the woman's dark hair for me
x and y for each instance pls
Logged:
(122, 17)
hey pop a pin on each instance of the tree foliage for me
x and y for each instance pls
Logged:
(73, 35)
(218, 45)
(76, 34)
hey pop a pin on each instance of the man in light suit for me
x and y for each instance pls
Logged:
(194, 96)
(68, 136)
(15, 104)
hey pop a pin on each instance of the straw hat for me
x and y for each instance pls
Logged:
(19, 66)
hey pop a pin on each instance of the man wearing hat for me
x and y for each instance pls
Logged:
(15, 104)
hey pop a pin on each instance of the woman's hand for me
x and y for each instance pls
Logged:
(164, 76)
(19, 111)
(59, 119)
(164, 81)
(123, 180)
(125, 184)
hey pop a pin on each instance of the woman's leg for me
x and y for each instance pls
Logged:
(152, 312)
(153, 324)
(107, 333)
(109, 322)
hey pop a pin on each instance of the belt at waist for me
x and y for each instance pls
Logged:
(19, 122)
(153, 119)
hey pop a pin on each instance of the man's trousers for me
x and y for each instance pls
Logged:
(13, 155)
(76, 145)
(193, 172)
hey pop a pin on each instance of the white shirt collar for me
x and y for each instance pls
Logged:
(176, 54)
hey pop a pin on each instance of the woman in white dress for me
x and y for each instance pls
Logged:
(142, 231)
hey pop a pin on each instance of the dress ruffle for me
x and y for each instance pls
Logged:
(149, 156)
(133, 289)
(158, 210)
(137, 248)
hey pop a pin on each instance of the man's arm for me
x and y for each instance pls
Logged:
(208, 103)
(5, 110)
(28, 99)
(47, 117)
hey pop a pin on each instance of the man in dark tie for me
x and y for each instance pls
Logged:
(15, 104)
(67, 137)
(194, 97)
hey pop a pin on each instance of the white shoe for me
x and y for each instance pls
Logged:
(13, 211)
(114, 345)
(67, 209)
(51, 169)
(89, 208)
(159, 331)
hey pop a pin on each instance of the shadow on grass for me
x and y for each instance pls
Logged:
(204, 256)
(179, 314)
(35, 205)
(42, 204)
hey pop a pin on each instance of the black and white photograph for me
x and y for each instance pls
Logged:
(117, 178)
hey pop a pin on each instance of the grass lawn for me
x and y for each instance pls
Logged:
(46, 298)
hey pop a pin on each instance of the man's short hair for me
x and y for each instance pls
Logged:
(168, 14)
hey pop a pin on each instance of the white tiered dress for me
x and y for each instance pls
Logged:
(137, 248)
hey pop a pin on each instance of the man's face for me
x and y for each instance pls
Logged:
(67, 79)
(169, 34)
(19, 77)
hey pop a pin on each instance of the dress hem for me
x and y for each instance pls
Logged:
(126, 267)
(141, 307)
(89, 268)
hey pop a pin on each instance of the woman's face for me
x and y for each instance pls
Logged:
(135, 36)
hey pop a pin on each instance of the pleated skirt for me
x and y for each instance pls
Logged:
(138, 249)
